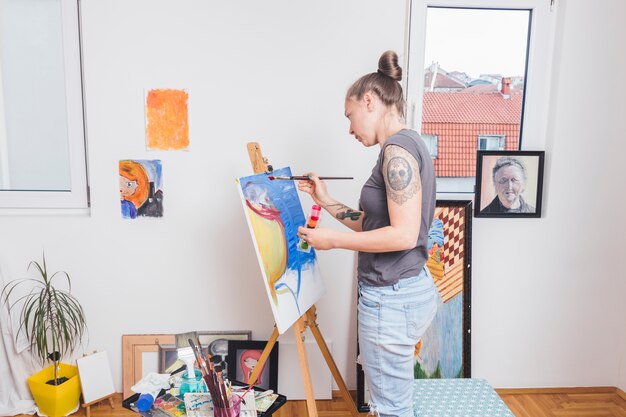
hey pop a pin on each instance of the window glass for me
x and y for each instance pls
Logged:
(42, 140)
(473, 86)
(491, 142)
(431, 142)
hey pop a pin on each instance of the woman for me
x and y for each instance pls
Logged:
(397, 296)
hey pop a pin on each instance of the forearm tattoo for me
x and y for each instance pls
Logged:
(402, 177)
(345, 212)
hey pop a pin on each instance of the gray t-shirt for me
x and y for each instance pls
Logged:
(388, 268)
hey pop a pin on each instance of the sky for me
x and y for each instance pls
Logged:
(477, 41)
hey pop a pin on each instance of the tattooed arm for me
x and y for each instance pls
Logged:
(349, 217)
(404, 200)
(317, 190)
(404, 193)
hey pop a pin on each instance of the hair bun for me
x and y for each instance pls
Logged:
(388, 65)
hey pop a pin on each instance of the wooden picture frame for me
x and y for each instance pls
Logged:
(449, 262)
(133, 348)
(243, 355)
(509, 183)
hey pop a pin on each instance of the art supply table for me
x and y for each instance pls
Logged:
(462, 397)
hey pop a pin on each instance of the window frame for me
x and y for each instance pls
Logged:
(436, 144)
(535, 108)
(78, 195)
(501, 139)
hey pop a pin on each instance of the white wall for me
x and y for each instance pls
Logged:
(544, 303)
(547, 305)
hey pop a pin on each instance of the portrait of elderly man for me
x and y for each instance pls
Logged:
(509, 180)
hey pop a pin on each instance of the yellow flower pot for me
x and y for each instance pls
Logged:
(59, 400)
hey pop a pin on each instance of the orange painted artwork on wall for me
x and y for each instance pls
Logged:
(167, 126)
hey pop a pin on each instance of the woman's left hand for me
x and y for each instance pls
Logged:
(320, 238)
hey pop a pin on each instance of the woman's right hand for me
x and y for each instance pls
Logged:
(315, 187)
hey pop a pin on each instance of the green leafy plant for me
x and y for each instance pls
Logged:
(52, 318)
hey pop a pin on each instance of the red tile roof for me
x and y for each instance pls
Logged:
(461, 107)
(459, 118)
(488, 89)
(458, 142)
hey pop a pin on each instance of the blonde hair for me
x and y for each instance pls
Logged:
(134, 171)
(385, 83)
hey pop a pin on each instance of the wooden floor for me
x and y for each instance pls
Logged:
(573, 404)
(577, 404)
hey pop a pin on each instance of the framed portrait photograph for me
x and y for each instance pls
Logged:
(444, 350)
(243, 356)
(509, 183)
(213, 342)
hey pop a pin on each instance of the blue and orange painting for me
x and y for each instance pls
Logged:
(274, 213)
(141, 191)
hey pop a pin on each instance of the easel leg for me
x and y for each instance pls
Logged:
(304, 367)
(87, 406)
(311, 317)
(263, 358)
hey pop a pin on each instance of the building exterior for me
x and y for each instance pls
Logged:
(455, 124)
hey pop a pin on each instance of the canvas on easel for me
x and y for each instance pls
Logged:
(96, 379)
(291, 277)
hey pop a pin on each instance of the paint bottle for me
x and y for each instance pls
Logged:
(145, 400)
(314, 217)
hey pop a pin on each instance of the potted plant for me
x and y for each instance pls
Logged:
(54, 323)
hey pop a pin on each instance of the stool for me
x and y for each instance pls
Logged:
(457, 397)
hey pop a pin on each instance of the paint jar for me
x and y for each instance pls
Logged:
(232, 411)
(193, 384)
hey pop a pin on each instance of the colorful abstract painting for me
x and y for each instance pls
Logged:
(291, 277)
(444, 351)
(167, 126)
(141, 190)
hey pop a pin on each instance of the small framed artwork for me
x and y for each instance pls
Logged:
(243, 358)
(444, 350)
(216, 343)
(509, 183)
(213, 342)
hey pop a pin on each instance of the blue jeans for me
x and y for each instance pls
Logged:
(391, 321)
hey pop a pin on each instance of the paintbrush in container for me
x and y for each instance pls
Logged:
(186, 352)
(198, 353)
(222, 387)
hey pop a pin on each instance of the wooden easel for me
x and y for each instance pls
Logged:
(88, 405)
(308, 319)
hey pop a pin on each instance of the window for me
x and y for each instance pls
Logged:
(478, 70)
(42, 141)
(490, 142)
(432, 142)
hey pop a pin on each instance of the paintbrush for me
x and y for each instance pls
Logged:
(304, 177)
(186, 352)
(197, 351)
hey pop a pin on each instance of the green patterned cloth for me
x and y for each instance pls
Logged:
(457, 398)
